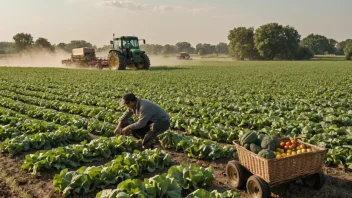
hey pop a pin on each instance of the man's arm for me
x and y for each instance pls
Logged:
(128, 113)
(146, 114)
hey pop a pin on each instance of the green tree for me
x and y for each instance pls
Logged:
(242, 44)
(273, 40)
(169, 49)
(291, 43)
(74, 44)
(319, 44)
(332, 46)
(222, 48)
(340, 47)
(184, 47)
(44, 43)
(23, 41)
(7, 47)
(61, 45)
(201, 52)
(80, 44)
(304, 53)
(206, 48)
(157, 49)
(348, 49)
(154, 49)
(104, 48)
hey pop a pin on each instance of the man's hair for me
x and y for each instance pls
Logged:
(127, 98)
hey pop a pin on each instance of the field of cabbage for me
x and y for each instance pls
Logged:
(47, 116)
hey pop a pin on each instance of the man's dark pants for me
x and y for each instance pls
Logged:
(150, 131)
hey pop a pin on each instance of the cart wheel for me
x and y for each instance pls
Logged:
(315, 181)
(257, 187)
(236, 174)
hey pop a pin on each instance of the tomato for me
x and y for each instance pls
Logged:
(282, 144)
(286, 147)
(294, 146)
(302, 146)
(295, 139)
(289, 143)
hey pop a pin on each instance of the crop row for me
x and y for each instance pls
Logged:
(174, 183)
(74, 155)
(124, 166)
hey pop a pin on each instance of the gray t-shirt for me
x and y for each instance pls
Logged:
(145, 111)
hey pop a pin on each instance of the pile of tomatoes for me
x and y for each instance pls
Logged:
(291, 147)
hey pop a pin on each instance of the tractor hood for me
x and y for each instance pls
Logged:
(136, 52)
(136, 55)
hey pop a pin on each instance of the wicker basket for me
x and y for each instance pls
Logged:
(277, 171)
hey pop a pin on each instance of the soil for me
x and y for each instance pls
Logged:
(338, 182)
(5, 190)
(36, 187)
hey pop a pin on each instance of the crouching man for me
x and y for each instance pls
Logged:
(152, 119)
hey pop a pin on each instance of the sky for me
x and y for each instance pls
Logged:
(166, 21)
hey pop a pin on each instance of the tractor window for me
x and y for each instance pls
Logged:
(134, 43)
(117, 44)
(130, 43)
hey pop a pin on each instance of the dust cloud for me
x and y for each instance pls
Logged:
(35, 58)
(43, 58)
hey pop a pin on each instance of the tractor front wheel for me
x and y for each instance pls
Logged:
(117, 61)
(145, 62)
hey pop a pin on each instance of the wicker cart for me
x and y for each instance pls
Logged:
(258, 174)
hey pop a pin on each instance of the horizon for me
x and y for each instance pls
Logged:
(167, 22)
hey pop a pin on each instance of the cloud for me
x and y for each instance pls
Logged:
(133, 5)
(128, 4)
(163, 8)
(168, 8)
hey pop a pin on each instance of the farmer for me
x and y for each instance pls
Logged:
(152, 119)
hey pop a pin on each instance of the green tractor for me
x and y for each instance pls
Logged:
(125, 53)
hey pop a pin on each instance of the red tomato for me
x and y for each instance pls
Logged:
(282, 144)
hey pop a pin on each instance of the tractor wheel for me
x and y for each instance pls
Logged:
(145, 62)
(117, 61)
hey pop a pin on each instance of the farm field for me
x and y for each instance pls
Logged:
(51, 120)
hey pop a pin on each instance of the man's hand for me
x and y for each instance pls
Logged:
(118, 131)
(126, 131)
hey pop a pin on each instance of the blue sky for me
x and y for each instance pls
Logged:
(166, 21)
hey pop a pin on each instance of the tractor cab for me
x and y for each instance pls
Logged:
(127, 42)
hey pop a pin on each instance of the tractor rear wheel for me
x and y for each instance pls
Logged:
(117, 61)
(145, 62)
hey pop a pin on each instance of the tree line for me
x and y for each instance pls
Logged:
(24, 42)
(274, 41)
(201, 48)
(268, 42)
